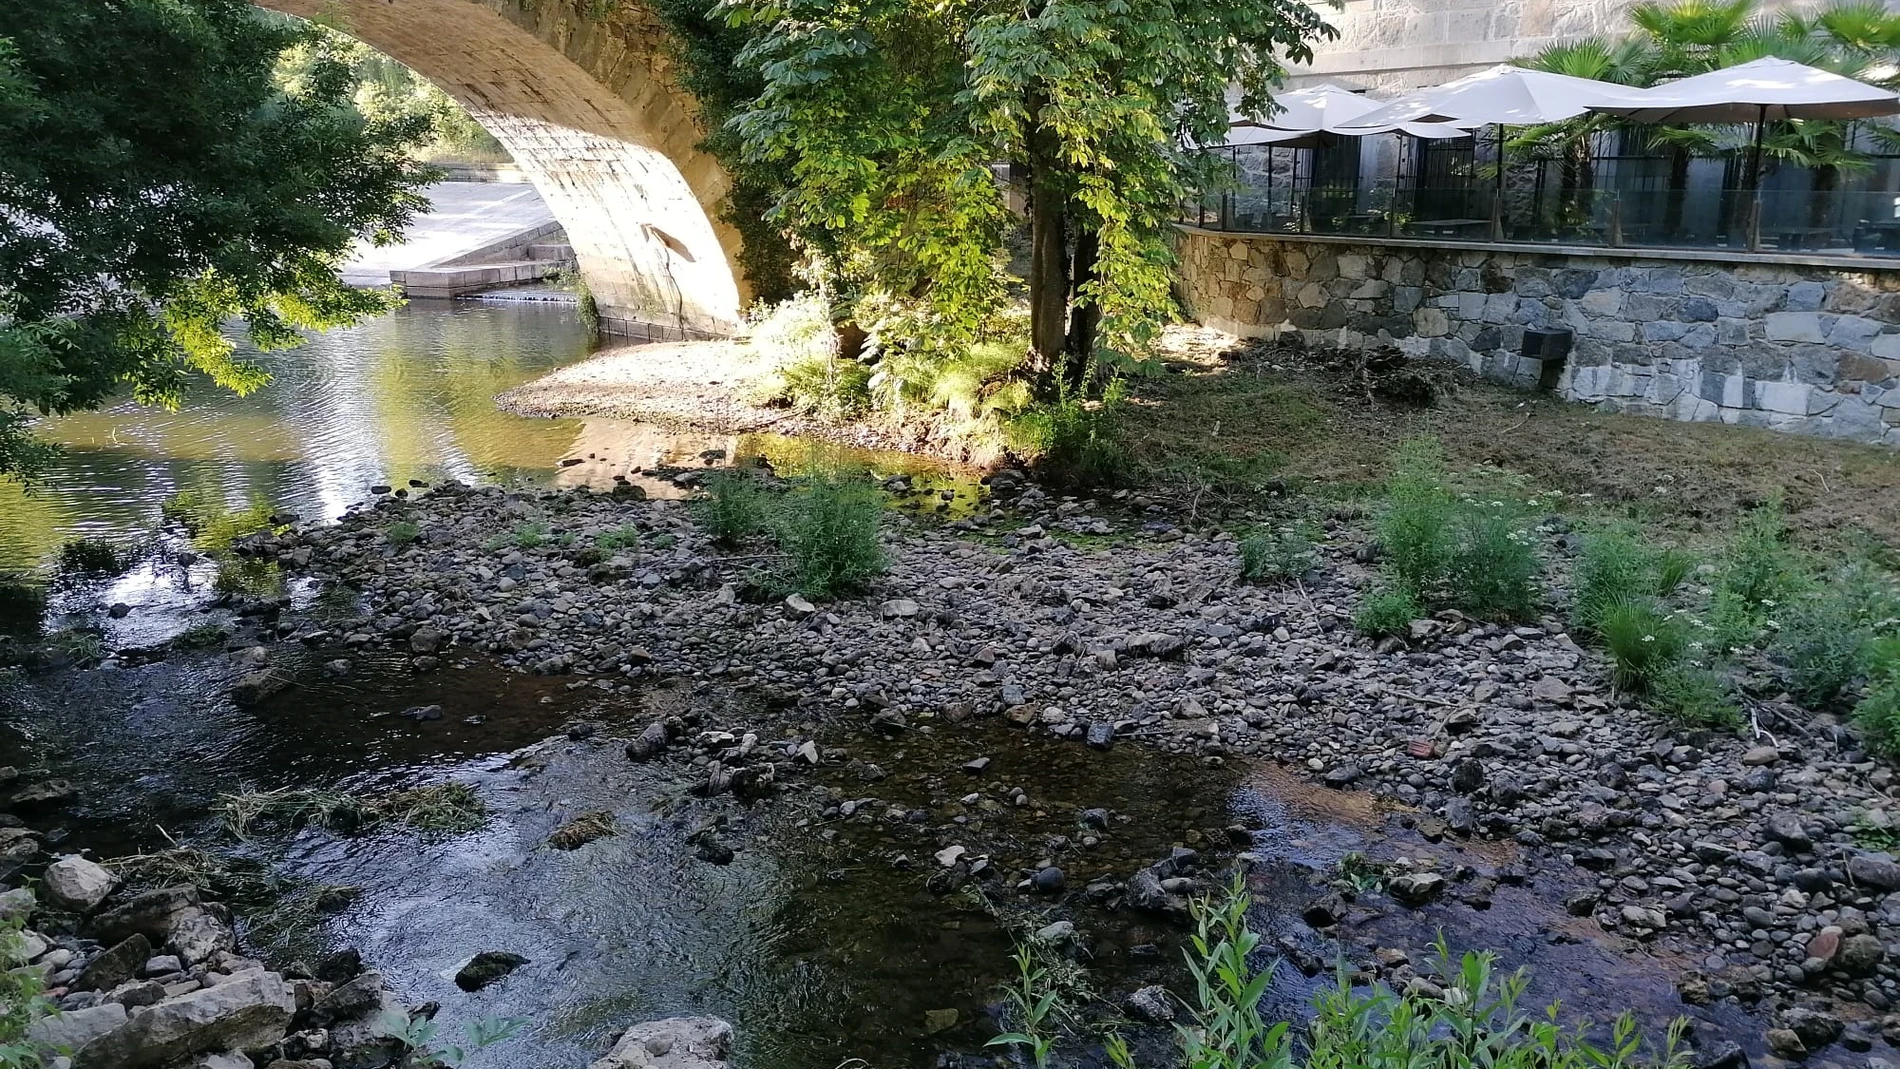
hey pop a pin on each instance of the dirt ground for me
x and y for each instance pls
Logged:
(1253, 409)
(1223, 420)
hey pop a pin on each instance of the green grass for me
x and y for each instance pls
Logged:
(1644, 642)
(529, 534)
(1466, 1013)
(624, 537)
(1616, 567)
(1276, 556)
(735, 507)
(1387, 611)
(403, 533)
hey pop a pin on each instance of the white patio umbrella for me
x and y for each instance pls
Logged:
(1500, 96)
(1329, 109)
(1759, 91)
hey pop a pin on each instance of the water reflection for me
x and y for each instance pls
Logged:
(407, 396)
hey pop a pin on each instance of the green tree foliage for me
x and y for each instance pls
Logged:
(155, 183)
(385, 91)
(886, 116)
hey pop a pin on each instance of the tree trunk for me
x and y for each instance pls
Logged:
(1084, 318)
(1678, 194)
(1821, 198)
(1048, 246)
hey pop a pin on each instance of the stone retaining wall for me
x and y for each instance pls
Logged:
(1806, 348)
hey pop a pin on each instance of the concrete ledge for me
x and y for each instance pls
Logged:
(454, 281)
(1869, 264)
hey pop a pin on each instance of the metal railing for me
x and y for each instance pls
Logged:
(1830, 222)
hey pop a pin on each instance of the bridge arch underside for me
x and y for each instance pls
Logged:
(587, 110)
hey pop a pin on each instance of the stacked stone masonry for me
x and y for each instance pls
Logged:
(1808, 349)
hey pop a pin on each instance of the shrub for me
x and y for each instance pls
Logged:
(22, 605)
(1825, 635)
(1643, 642)
(1878, 716)
(1268, 556)
(735, 506)
(829, 528)
(1075, 441)
(1758, 573)
(1415, 529)
(828, 386)
(1387, 611)
(95, 556)
(1493, 568)
(1479, 557)
(22, 1001)
(403, 533)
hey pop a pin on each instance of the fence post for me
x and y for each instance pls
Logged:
(1615, 235)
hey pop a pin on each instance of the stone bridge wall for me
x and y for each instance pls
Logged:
(586, 101)
(1811, 348)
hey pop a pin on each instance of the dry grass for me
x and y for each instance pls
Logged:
(220, 877)
(442, 808)
(582, 830)
(1245, 411)
(289, 809)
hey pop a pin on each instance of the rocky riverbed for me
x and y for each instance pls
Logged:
(1735, 858)
(1495, 785)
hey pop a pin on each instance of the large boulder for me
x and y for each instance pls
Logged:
(76, 884)
(673, 1043)
(149, 915)
(246, 1012)
(76, 1028)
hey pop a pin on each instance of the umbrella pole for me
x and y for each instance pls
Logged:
(1754, 180)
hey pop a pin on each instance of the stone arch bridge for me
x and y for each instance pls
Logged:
(588, 109)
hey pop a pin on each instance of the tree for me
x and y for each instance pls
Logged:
(155, 183)
(888, 116)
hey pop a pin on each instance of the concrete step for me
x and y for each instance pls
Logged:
(561, 253)
(472, 278)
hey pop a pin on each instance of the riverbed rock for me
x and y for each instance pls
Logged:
(76, 884)
(486, 968)
(115, 965)
(254, 687)
(76, 1028)
(1415, 888)
(673, 1043)
(650, 743)
(148, 914)
(249, 1010)
(1152, 1004)
(355, 999)
(47, 794)
(16, 904)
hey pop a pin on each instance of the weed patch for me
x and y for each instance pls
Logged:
(1270, 556)
(735, 507)
(829, 528)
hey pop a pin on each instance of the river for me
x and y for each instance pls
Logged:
(821, 941)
